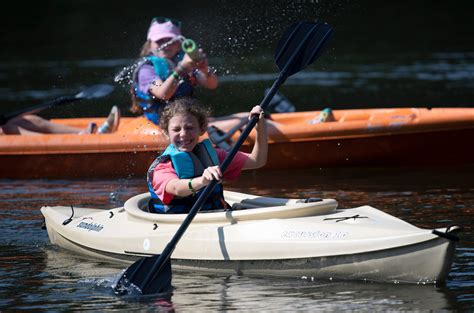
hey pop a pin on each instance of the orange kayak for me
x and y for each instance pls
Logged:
(362, 137)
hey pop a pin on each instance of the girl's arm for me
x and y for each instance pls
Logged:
(258, 156)
(164, 90)
(186, 187)
(205, 78)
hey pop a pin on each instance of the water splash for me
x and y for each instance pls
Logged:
(240, 37)
(126, 76)
(104, 282)
(169, 43)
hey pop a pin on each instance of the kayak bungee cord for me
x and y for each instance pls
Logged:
(344, 218)
(448, 233)
(69, 220)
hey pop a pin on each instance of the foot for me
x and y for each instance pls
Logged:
(326, 115)
(91, 129)
(111, 123)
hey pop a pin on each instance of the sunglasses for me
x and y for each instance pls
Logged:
(161, 20)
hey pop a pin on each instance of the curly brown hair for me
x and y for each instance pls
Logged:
(184, 105)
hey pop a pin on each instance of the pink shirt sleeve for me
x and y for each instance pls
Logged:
(164, 172)
(235, 168)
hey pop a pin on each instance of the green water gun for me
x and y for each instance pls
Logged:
(190, 47)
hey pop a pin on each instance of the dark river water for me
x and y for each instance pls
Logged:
(382, 55)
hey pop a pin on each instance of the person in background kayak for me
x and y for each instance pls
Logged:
(165, 71)
(30, 124)
(176, 178)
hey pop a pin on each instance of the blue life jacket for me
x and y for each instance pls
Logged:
(150, 105)
(187, 165)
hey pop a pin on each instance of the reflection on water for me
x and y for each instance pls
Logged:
(37, 275)
(76, 283)
(248, 294)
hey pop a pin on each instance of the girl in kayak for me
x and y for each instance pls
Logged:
(30, 124)
(176, 178)
(165, 72)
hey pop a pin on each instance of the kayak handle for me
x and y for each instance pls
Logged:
(69, 220)
(448, 234)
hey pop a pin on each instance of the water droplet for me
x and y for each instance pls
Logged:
(112, 196)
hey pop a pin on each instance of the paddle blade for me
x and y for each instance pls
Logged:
(96, 91)
(135, 278)
(301, 44)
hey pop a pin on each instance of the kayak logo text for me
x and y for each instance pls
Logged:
(91, 226)
(304, 234)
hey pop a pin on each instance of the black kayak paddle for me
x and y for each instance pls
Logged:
(301, 44)
(95, 91)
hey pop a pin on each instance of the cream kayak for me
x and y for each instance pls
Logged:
(263, 236)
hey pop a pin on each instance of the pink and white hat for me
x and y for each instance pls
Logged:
(159, 31)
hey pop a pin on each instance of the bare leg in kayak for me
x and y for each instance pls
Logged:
(35, 125)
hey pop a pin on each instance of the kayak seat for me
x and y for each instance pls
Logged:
(243, 206)
(233, 207)
(220, 138)
(149, 209)
(254, 203)
(309, 200)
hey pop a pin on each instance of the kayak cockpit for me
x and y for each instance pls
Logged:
(244, 207)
